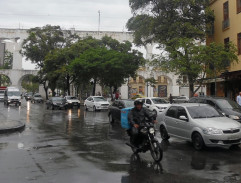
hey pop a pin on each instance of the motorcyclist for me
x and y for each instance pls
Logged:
(137, 116)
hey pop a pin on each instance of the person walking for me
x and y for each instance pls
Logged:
(239, 99)
(171, 99)
(117, 95)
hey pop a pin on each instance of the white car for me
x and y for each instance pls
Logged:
(155, 104)
(72, 101)
(200, 124)
(96, 103)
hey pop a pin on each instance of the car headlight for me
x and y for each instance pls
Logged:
(212, 131)
(158, 107)
(151, 130)
(234, 117)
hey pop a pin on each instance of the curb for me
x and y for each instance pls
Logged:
(19, 128)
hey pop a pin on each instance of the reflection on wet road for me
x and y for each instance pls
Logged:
(81, 147)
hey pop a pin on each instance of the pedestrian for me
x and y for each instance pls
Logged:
(239, 99)
(117, 95)
(171, 98)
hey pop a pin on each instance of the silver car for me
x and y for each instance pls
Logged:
(200, 124)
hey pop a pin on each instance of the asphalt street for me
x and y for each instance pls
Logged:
(75, 146)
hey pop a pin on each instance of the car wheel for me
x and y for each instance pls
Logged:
(52, 107)
(47, 107)
(111, 119)
(86, 108)
(197, 141)
(164, 133)
(94, 108)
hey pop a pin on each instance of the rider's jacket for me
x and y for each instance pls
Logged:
(136, 116)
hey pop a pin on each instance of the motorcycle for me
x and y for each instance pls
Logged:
(148, 142)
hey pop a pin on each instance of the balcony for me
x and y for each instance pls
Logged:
(226, 24)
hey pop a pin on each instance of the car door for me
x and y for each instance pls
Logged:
(170, 120)
(184, 127)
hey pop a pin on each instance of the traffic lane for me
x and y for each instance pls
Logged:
(108, 143)
(78, 145)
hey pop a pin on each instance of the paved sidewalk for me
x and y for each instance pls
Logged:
(11, 126)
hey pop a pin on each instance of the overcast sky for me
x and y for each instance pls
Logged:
(78, 14)
(81, 14)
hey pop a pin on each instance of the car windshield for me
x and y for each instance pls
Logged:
(159, 101)
(30, 93)
(71, 98)
(1, 91)
(37, 95)
(99, 99)
(181, 97)
(227, 104)
(203, 112)
(14, 93)
(58, 99)
(129, 103)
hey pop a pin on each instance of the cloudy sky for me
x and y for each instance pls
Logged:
(78, 14)
(81, 14)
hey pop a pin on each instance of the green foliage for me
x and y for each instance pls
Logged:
(8, 60)
(151, 81)
(30, 83)
(5, 81)
(180, 28)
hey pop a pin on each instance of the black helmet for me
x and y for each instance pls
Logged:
(138, 102)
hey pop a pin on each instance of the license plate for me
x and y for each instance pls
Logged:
(234, 137)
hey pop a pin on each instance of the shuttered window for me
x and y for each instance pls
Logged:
(225, 11)
(239, 43)
(238, 6)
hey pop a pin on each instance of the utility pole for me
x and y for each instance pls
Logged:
(99, 22)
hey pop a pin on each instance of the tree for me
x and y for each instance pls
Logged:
(106, 61)
(42, 41)
(179, 27)
(30, 83)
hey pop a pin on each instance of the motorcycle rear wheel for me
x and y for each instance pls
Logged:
(156, 151)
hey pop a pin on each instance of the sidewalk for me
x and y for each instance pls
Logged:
(11, 126)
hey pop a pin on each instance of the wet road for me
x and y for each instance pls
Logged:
(75, 146)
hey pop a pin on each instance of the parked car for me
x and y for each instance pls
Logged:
(181, 99)
(96, 103)
(155, 104)
(28, 96)
(56, 102)
(37, 98)
(138, 96)
(72, 101)
(12, 95)
(114, 112)
(226, 106)
(200, 124)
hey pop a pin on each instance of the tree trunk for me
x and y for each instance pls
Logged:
(46, 91)
(94, 87)
(68, 84)
(191, 90)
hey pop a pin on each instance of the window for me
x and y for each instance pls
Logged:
(226, 43)
(184, 79)
(181, 112)
(226, 22)
(225, 11)
(238, 6)
(239, 43)
(172, 112)
(148, 101)
(211, 103)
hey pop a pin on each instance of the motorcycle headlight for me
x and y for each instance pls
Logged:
(234, 117)
(212, 131)
(152, 130)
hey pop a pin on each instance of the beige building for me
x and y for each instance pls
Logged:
(227, 28)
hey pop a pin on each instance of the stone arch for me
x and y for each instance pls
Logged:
(22, 78)
(5, 80)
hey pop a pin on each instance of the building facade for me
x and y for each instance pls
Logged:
(227, 28)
